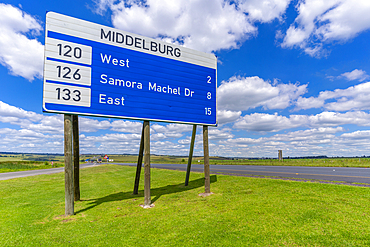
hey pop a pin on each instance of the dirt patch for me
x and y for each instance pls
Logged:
(205, 194)
(64, 219)
(67, 220)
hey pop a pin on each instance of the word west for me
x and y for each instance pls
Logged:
(107, 59)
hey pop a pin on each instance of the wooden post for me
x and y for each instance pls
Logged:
(207, 183)
(139, 163)
(190, 155)
(76, 157)
(147, 199)
(280, 155)
(68, 166)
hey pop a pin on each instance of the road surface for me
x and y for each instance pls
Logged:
(341, 174)
(10, 175)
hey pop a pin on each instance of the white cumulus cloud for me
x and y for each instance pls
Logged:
(326, 118)
(356, 74)
(357, 135)
(220, 134)
(205, 25)
(22, 55)
(264, 10)
(269, 122)
(240, 94)
(13, 114)
(322, 21)
(126, 126)
(225, 116)
(352, 98)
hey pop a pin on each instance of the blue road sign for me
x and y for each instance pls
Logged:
(96, 70)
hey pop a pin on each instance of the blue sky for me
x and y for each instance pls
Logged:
(292, 75)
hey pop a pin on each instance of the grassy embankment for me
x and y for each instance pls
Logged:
(242, 212)
(10, 163)
(14, 166)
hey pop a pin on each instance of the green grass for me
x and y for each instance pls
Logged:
(31, 157)
(14, 166)
(168, 159)
(11, 158)
(242, 212)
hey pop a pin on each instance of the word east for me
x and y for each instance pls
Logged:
(118, 82)
(103, 99)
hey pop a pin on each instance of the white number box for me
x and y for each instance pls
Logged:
(66, 72)
(68, 51)
(67, 95)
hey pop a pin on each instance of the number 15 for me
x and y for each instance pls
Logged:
(208, 111)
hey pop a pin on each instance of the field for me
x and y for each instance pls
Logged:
(242, 211)
(31, 157)
(13, 162)
(23, 162)
(14, 166)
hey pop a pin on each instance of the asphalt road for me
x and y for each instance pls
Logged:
(340, 174)
(10, 175)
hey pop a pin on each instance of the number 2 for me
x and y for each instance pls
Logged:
(209, 79)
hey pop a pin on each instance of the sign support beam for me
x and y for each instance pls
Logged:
(147, 198)
(139, 163)
(68, 166)
(207, 182)
(76, 157)
(190, 155)
(106, 72)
